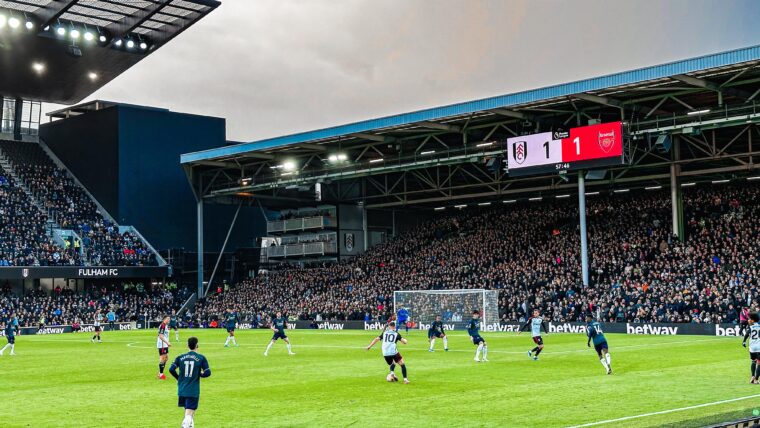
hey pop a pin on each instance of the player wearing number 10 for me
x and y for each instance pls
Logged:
(192, 367)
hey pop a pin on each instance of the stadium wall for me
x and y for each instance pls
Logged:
(88, 145)
(128, 158)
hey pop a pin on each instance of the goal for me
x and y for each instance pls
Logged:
(452, 305)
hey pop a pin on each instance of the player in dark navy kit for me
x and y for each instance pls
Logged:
(436, 330)
(188, 369)
(595, 333)
(536, 323)
(230, 321)
(473, 329)
(10, 336)
(174, 324)
(278, 326)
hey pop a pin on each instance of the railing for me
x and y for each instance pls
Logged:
(320, 222)
(298, 250)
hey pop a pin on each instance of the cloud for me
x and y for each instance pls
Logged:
(278, 67)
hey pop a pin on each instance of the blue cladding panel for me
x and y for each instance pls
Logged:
(593, 84)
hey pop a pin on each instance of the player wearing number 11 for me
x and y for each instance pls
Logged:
(188, 369)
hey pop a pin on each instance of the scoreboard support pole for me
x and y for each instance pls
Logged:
(200, 248)
(584, 234)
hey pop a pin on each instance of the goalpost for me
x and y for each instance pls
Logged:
(452, 305)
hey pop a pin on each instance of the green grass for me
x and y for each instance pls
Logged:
(66, 381)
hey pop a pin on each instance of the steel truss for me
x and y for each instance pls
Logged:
(467, 162)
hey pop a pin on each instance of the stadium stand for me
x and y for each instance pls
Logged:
(640, 272)
(130, 302)
(65, 205)
(23, 241)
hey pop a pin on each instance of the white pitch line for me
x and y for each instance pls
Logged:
(495, 351)
(662, 412)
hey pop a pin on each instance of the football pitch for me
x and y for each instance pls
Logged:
(66, 381)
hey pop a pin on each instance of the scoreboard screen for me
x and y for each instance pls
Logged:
(592, 146)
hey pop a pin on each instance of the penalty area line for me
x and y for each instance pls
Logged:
(663, 412)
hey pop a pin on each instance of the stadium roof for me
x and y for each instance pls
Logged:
(63, 50)
(650, 100)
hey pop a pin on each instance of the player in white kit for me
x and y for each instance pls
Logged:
(162, 343)
(96, 320)
(536, 323)
(753, 334)
(390, 337)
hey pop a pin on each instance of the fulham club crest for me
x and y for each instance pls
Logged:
(607, 140)
(349, 242)
(519, 151)
(25, 273)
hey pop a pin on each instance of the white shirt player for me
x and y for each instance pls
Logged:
(160, 344)
(389, 339)
(535, 326)
(754, 338)
(98, 319)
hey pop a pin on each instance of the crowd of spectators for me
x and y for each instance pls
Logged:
(65, 202)
(529, 252)
(63, 306)
(23, 241)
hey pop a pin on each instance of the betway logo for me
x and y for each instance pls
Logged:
(291, 326)
(728, 331)
(373, 325)
(650, 329)
(500, 327)
(125, 326)
(427, 326)
(51, 330)
(566, 328)
(330, 326)
(98, 272)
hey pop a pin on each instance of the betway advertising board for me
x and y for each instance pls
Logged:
(652, 329)
(60, 329)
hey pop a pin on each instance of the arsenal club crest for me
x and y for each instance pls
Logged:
(607, 140)
(519, 151)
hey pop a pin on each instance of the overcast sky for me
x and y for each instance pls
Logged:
(274, 67)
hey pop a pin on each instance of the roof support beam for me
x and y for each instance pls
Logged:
(607, 101)
(218, 164)
(50, 13)
(255, 155)
(315, 147)
(132, 22)
(372, 137)
(515, 114)
(440, 126)
(612, 102)
(706, 84)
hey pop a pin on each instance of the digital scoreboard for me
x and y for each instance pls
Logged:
(585, 147)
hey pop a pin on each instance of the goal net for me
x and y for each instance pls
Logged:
(452, 305)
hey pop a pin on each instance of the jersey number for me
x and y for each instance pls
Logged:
(754, 334)
(390, 337)
(189, 366)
